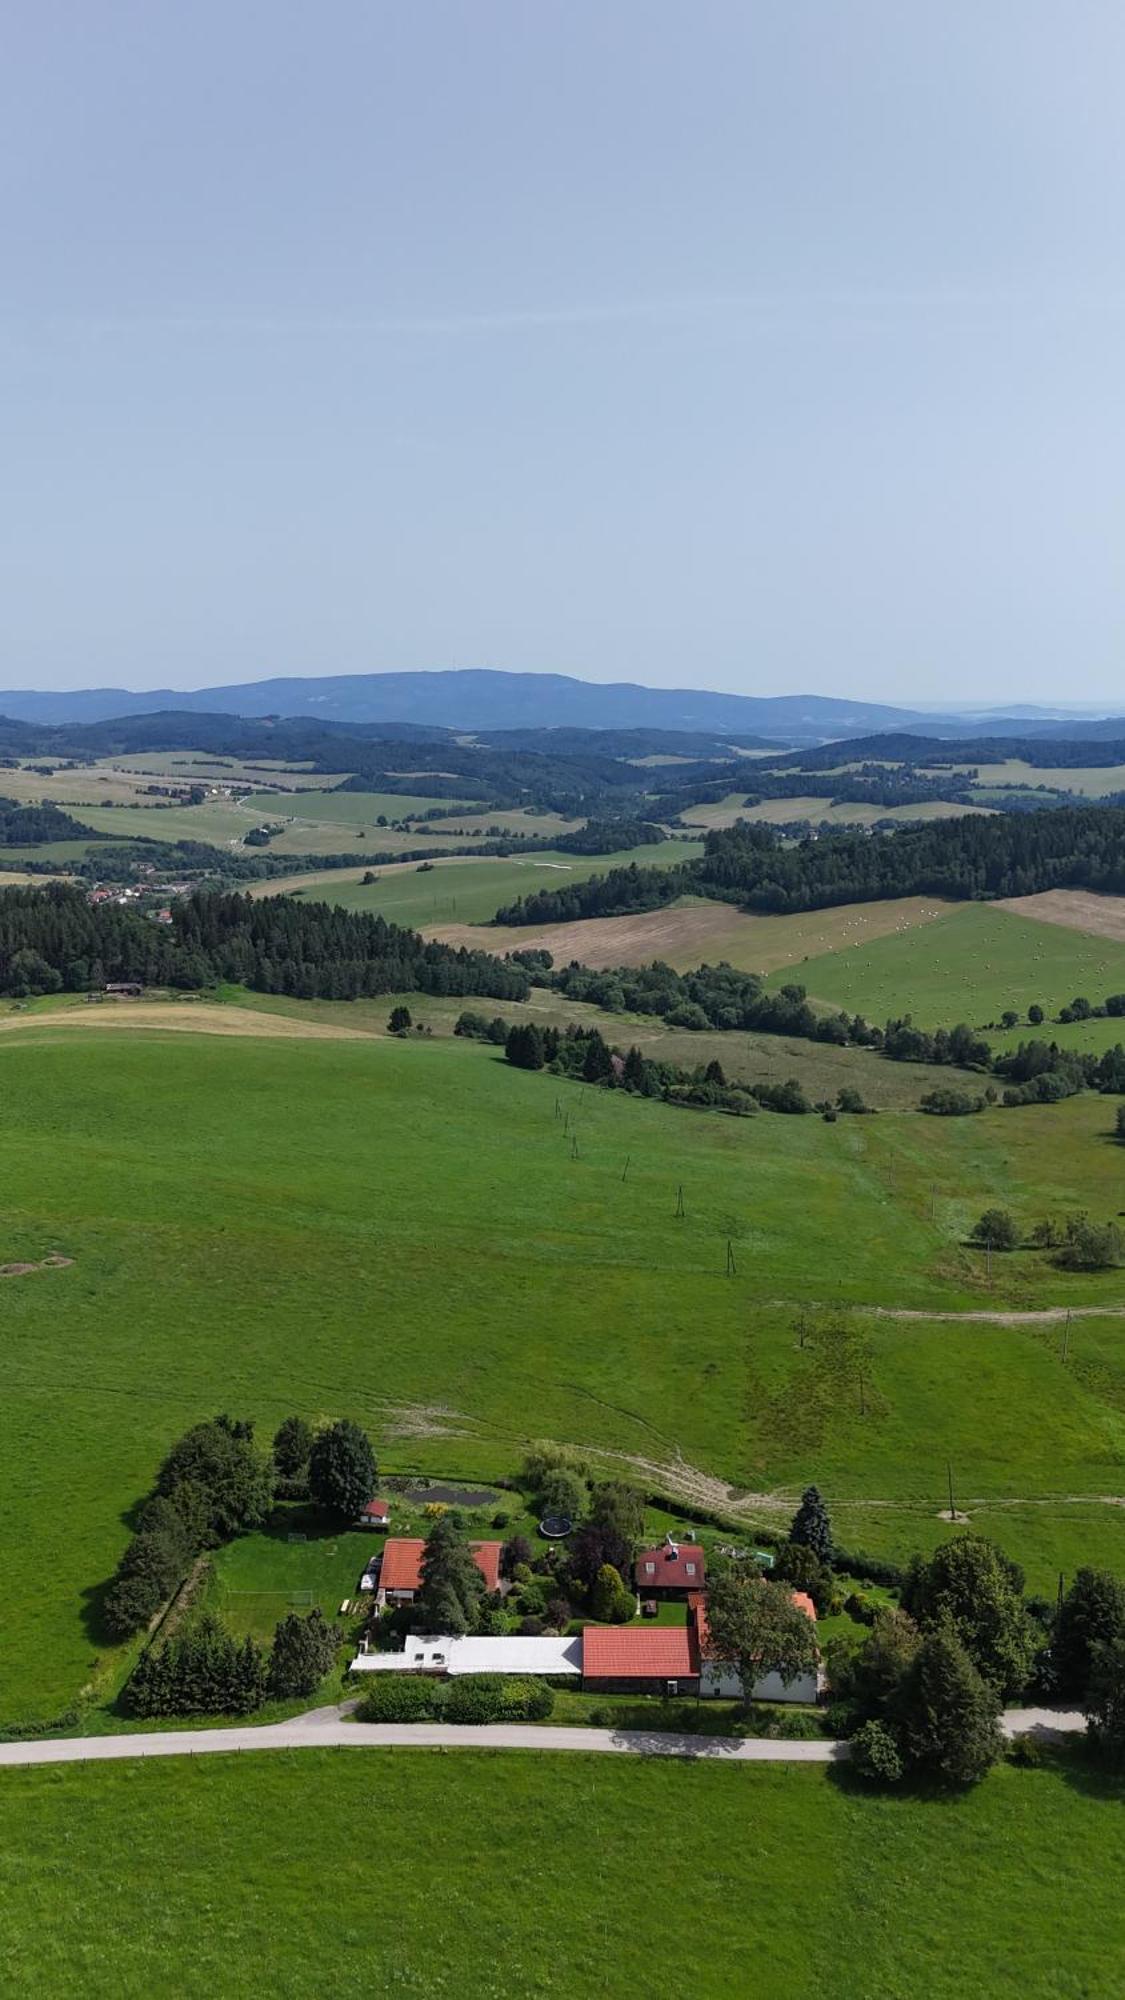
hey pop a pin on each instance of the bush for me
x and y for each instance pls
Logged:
(398, 1697)
(1026, 1751)
(870, 1569)
(876, 1756)
(862, 1608)
(304, 1651)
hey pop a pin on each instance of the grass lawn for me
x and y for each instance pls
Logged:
(483, 1876)
(397, 1231)
(968, 966)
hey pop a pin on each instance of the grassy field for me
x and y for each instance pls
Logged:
(266, 1226)
(470, 893)
(816, 807)
(970, 966)
(695, 930)
(820, 1067)
(1092, 781)
(485, 1876)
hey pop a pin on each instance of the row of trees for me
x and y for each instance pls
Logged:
(215, 1484)
(925, 1692)
(1080, 1243)
(205, 1670)
(970, 857)
(52, 937)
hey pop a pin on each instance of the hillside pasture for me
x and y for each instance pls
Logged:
(1094, 781)
(818, 808)
(398, 1231)
(1075, 909)
(695, 931)
(1010, 1892)
(466, 891)
(970, 966)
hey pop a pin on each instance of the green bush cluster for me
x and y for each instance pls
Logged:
(469, 1698)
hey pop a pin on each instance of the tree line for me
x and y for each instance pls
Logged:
(971, 858)
(53, 939)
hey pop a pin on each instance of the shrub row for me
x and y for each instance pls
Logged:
(399, 1697)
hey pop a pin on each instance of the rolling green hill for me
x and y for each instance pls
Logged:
(968, 966)
(399, 1231)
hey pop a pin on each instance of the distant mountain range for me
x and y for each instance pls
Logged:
(481, 699)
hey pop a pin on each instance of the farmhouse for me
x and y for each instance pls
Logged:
(671, 1571)
(400, 1577)
(719, 1677)
(640, 1659)
(610, 1659)
(376, 1514)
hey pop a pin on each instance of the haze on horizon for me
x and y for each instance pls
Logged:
(743, 347)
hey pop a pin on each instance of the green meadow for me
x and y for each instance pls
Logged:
(968, 966)
(480, 1876)
(400, 1231)
(471, 892)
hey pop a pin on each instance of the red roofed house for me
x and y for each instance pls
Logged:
(400, 1577)
(720, 1677)
(673, 1570)
(376, 1514)
(640, 1659)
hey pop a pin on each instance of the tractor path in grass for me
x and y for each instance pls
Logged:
(328, 1728)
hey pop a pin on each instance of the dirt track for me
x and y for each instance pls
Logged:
(184, 1018)
(1075, 910)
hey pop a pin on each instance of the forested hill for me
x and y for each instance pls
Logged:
(53, 939)
(975, 857)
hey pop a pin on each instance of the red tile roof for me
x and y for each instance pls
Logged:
(665, 1568)
(402, 1563)
(639, 1652)
(697, 1613)
(375, 1510)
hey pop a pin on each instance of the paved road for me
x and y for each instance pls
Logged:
(327, 1728)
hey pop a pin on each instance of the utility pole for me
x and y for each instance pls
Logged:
(574, 1145)
(625, 1168)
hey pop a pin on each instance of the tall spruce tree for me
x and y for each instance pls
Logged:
(453, 1589)
(811, 1526)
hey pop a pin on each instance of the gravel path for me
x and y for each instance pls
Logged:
(327, 1728)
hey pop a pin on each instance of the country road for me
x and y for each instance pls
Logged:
(328, 1728)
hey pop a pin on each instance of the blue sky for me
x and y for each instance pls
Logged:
(755, 346)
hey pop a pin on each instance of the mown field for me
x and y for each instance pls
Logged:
(969, 966)
(817, 807)
(456, 891)
(695, 930)
(399, 1231)
(485, 1876)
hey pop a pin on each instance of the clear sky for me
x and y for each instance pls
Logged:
(769, 345)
